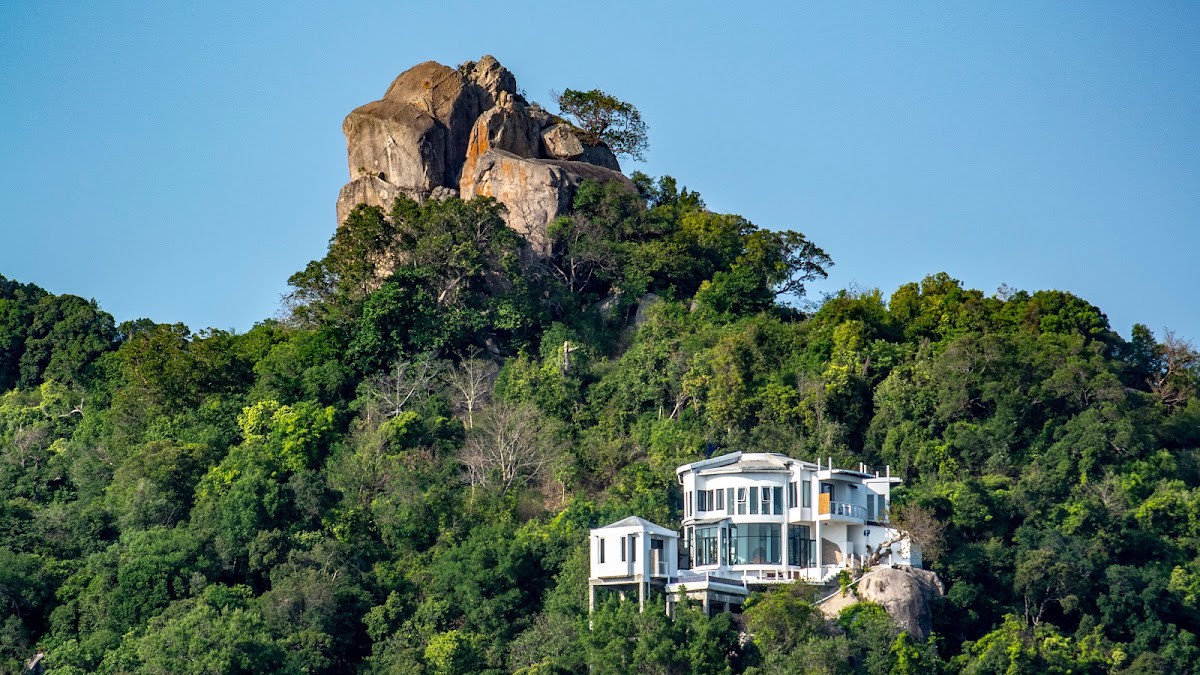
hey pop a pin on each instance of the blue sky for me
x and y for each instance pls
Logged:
(180, 160)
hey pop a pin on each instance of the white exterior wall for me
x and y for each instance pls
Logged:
(612, 566)
(638, 565)
(847, 534)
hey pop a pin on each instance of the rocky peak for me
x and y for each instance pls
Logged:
(467, 130)
(490, 75)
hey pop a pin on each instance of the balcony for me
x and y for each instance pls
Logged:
(828, 509)
(658, 565)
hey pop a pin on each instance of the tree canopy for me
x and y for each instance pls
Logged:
(399, 475)
(606, 119)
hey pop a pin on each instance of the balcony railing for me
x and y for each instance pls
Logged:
(828, 507)
(658, 566)
(697, 577)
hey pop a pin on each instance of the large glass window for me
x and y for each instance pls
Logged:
(741, 496)
(792, 495)
(806, 493)
(754, 544)
(754, 500)
(801, 549)
(777, 500)
(729, 501)
(706, 545)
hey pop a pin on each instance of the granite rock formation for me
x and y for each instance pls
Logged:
(905, 592)
(440, 131)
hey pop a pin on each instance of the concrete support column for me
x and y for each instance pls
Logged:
(642, 595)
(816, 499)
(591, 598)
(783, 547)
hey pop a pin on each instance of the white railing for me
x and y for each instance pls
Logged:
(844, 509)
(697, 577)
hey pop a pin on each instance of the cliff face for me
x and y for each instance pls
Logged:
(440, 131)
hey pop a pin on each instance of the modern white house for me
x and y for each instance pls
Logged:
(752, 520)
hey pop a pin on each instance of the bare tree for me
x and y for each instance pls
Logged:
(27, 445)
(471, 385)
(582, 252)
(512, 446)
(1174, 380)
(916, 524)
(401, 386)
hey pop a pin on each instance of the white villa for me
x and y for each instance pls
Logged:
(751, 520)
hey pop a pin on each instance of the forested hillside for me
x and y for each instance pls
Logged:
(400, 474)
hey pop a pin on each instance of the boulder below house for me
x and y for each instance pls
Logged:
(907, 593)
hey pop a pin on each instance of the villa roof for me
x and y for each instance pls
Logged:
(743, 461)
(747, 465)
(634, 521)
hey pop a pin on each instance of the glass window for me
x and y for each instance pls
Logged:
(706, 545)
(687, 503)
(754, 500)
(729, 500)
(801, 549)
(870, 506)
(701, 500)
(754, 544)
(777, 500)
(806, 492)
(633, 548)
(720, 500)
(792, 495)
(741, 494)
(622, 549)
(601, 541)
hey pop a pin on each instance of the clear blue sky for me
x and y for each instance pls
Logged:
(180, 160)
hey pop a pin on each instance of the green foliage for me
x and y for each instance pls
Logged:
(317, 495)
(604, 118)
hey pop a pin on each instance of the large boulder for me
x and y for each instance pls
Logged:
(561, 142)
(491, 76)
(397, 143)
(369, 190)
(452, 99)
(507, 127)
(534, 191)
(600, 155)
(907, 593)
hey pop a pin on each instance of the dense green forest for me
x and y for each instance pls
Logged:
(400, 475)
